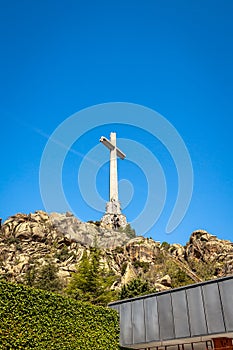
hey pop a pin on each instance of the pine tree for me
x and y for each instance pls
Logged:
(135, 288)
(91, 282)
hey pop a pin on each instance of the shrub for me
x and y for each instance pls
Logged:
(129, 231)
(63, 253)
(123, 268)
(43, 277)
(165, 245)
(143, 264)
(178, 277)
(119, 250)
(205, 270)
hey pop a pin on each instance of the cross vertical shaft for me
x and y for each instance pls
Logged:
(113, 206)
(113, 180)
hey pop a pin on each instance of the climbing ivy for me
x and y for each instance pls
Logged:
(40, 320)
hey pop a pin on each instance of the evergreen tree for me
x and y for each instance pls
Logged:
(135, 288)
(91, 282)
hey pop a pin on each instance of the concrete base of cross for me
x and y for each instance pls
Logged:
(113, 207)
(113, 221)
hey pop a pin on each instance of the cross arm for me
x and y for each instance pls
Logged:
(120, 154)
(106, 143)
(110, 146)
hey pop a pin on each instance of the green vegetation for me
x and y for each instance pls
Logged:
(43, 277)
(142, 264)
(129, 231)
(135, 288)
(12, 240)
(63, 253)
(168, 267)
(178, 277)
(92, 282)
(39, 320)
(123, 268)
(205, 270)
(160, 258)
(165, 245)
(119, 250)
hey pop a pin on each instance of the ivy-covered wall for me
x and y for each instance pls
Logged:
(35, 319)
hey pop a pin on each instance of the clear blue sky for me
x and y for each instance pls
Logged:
(173, 56)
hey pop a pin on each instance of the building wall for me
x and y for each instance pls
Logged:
(192, 313)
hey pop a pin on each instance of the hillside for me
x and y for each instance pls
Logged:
(29, 242)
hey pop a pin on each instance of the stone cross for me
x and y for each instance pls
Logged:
(113, 206)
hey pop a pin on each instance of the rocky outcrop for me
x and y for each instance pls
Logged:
(31, 240)
(142, 249)
(42, 227)
(202, 245)
(129, 274)
(206, 248)
(214, 251)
